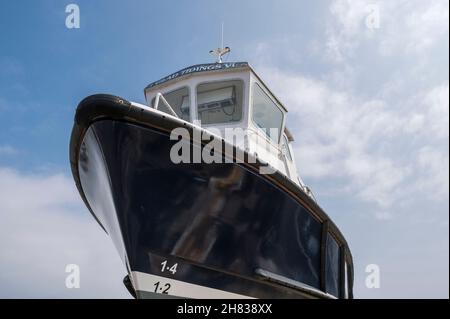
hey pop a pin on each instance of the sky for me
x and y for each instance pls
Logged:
(366, 84)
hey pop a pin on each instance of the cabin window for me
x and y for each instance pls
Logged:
(178, 100)
(332, 266)
(220, 102)
(266, 114)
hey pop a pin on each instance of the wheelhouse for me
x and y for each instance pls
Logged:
(218, 96)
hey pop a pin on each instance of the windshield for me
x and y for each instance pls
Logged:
(220, 102)
(266, 114)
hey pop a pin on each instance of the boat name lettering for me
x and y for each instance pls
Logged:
(200, 68)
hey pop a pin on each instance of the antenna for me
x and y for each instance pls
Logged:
(221, 43)
(221, 51)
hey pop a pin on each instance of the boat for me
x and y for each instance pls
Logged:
(195, 211)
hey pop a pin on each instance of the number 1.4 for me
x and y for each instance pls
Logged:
(172, 269)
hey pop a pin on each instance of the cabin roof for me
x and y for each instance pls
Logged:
(206, 68)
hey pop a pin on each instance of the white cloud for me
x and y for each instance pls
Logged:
(372, 130)
(404, 26)
(436, 103)
(348, 23)
(340, 135)
(369, 144)
(434, 165)
(415, 26)
(44, 227)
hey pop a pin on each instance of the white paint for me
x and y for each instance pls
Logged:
(146, 282)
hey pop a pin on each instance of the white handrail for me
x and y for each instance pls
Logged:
(160, 96)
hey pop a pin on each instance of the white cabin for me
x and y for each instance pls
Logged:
(216, 96)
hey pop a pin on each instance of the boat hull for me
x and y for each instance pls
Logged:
(195, 230)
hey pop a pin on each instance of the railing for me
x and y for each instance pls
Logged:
(160, 96)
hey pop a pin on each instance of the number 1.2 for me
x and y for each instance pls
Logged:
(162, 289)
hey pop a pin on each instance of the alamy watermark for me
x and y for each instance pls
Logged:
(73, 17)
(373, 277)
(209, 147)
(373, 17)
(73, 277)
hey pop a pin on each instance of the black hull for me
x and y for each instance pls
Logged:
(224, 226)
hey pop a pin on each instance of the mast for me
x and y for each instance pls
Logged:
(220, 51)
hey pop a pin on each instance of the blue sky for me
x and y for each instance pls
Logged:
(368, 106)
(120, 48)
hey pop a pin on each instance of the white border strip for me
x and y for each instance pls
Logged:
(147, 282)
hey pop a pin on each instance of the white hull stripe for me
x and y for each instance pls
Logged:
(152, 283)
